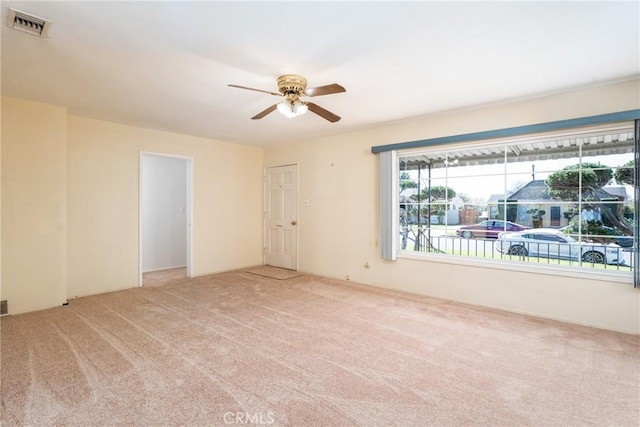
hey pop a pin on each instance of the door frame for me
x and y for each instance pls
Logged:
(265, 228)
(189, 209)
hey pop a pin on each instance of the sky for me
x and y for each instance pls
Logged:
(480, 182)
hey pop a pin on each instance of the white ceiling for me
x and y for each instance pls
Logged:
(166, 65)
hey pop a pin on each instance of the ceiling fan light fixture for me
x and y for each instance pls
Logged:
(293, 93)
(285, 108)
(300, 108)
(291, 109)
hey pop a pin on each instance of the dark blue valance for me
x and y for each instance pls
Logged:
(621, 116)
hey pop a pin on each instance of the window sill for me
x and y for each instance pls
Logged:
(620, 276)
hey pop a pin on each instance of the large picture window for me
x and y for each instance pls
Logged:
(564, 200)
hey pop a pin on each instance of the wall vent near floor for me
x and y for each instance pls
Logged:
(28, 23)
(4, 309)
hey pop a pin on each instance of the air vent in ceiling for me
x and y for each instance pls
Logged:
(28, 23)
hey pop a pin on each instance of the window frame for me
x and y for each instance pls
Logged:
(502, 138)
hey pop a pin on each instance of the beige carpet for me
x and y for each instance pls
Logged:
(242, 349)
(162, 277)
(274, 272)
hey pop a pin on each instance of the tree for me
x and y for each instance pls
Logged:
(438, 192)
(565, 183)
(624, 174)
(406, 181)
(583, 182)
(440, 195)
(465, 197)
(604, 173)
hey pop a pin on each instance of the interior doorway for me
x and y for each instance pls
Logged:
(165, 216)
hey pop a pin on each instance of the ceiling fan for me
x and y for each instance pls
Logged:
(293, 89)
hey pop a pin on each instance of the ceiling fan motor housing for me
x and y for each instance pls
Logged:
(292, 84)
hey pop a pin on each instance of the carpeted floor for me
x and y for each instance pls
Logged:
(243, 349)
(162, 277)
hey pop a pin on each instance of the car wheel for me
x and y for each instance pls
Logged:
(518, 250)
(467, 234)
(593, 257)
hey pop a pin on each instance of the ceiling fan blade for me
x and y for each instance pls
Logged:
(256, 90)
(265, 112)
(325, 114)
(324, 90)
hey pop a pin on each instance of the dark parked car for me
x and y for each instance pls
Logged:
(489, 229)
(624, 241)
(609, 235)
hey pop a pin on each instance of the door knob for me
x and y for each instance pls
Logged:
(293, 223)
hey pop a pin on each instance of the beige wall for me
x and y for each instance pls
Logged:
(34, 203)
(70, 209)
(103, 203)
(338, 230)
(70, 204)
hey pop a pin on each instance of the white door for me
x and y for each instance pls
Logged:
(281, 216)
